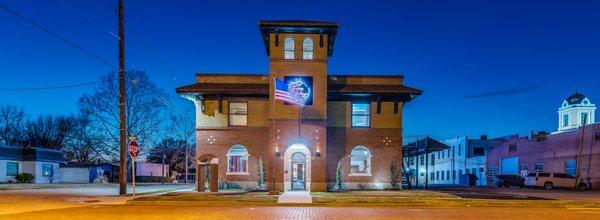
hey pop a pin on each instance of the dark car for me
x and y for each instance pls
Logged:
(510, 180)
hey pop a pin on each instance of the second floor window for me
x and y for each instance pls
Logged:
(361, 115)
(307, 49)
(288, 48)
(238, 113)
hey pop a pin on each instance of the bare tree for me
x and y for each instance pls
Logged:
(48, 131)
(12, 121)
(80, 145)
(183, 129)
(144, 105)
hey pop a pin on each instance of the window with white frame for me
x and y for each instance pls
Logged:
(238, 113)
(47, 169)
(565, 120)
(361, 114)
(307, 49)
(288, 48)
(360, 161)
(237, 160)
(584, 118)
(12, 168)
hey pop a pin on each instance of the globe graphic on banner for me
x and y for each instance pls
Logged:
(298, 90)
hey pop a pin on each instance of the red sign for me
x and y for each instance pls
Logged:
(134, 149)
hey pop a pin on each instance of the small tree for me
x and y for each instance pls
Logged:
(261, 174)
(339, 183)
(394, 176)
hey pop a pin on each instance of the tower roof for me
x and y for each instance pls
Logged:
(575, 99)
(299, 26)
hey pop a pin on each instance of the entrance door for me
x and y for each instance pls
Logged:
(298, 171)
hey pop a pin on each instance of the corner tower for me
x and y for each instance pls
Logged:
(576, 111)
(298, 52)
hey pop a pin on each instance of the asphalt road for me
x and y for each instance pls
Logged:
(148, 212)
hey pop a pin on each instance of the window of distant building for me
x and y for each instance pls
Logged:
(360, 161)
(449, 152)
(47, 170)
(570, 167)
(437, 175)
(421, 160)
(512, 148)
(411, 161)
(448, 174)
(238, 113)
(443, 175)
(565, 120)
(584, 118)
(459, 150)
(361, 115)
(538, 166)
(474, 171)
(432, 176)
(307, 49)
(453, 174)
(288, 48)
(12, 168)
(237, 160)
(524, 166)
(432, 159)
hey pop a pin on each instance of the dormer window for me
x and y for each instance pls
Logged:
(307, 49)
(288, 48)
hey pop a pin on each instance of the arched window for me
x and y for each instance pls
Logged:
(288, 48)
(237, 160)
(360, 161)
(307, 49)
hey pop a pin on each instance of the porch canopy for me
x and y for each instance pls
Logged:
(422, 146)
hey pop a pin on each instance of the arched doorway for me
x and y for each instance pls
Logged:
(207, 171)
(296, 168)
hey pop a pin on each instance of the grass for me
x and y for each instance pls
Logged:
(403, 198)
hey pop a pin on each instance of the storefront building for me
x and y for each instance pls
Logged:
(353, 122)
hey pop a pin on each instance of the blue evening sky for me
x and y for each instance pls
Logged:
(487, 67)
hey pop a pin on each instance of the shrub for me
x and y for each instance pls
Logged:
(228, 185)
(25, 178)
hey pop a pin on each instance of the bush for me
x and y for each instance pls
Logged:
(229, 185)
(25, 178)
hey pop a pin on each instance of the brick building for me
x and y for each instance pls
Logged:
(354, 121)
(556, 152)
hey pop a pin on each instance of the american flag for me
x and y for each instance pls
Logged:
(281, 93)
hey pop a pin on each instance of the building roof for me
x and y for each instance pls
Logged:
(226, 88)
(576, 99)
(299, 26)
(31, 154)
(423, 146)
(11, 153)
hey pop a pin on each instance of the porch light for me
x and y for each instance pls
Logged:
(277, 151)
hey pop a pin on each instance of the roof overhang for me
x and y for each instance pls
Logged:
(298, 26)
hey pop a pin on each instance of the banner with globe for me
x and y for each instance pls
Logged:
(299, 89)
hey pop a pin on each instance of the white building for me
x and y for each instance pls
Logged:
(575, 111)
(42, 163)
(444, 167)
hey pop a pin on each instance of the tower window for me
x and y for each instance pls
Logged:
(565, 120)
(288, 48)
(361, 115)
(307, 49)
(584, 118)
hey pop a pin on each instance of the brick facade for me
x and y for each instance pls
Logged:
(322, 131)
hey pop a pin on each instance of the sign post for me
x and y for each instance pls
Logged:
(134, 150)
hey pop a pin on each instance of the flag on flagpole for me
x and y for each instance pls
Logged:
(281, 93)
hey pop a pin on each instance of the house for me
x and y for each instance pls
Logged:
(42, 163)
(350, 122)
(556, 152)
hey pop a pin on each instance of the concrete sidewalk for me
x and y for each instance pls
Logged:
(96, 194)
(295, 197)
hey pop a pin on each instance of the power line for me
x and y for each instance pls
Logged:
(49, 87)
(80, 13)
(17, 14)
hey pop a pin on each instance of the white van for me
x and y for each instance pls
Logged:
(552, 180)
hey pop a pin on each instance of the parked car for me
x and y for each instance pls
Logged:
(509, 180)
(551, 180)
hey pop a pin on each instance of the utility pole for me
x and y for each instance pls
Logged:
(123, 131)
(577, 167)
(162, 177)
